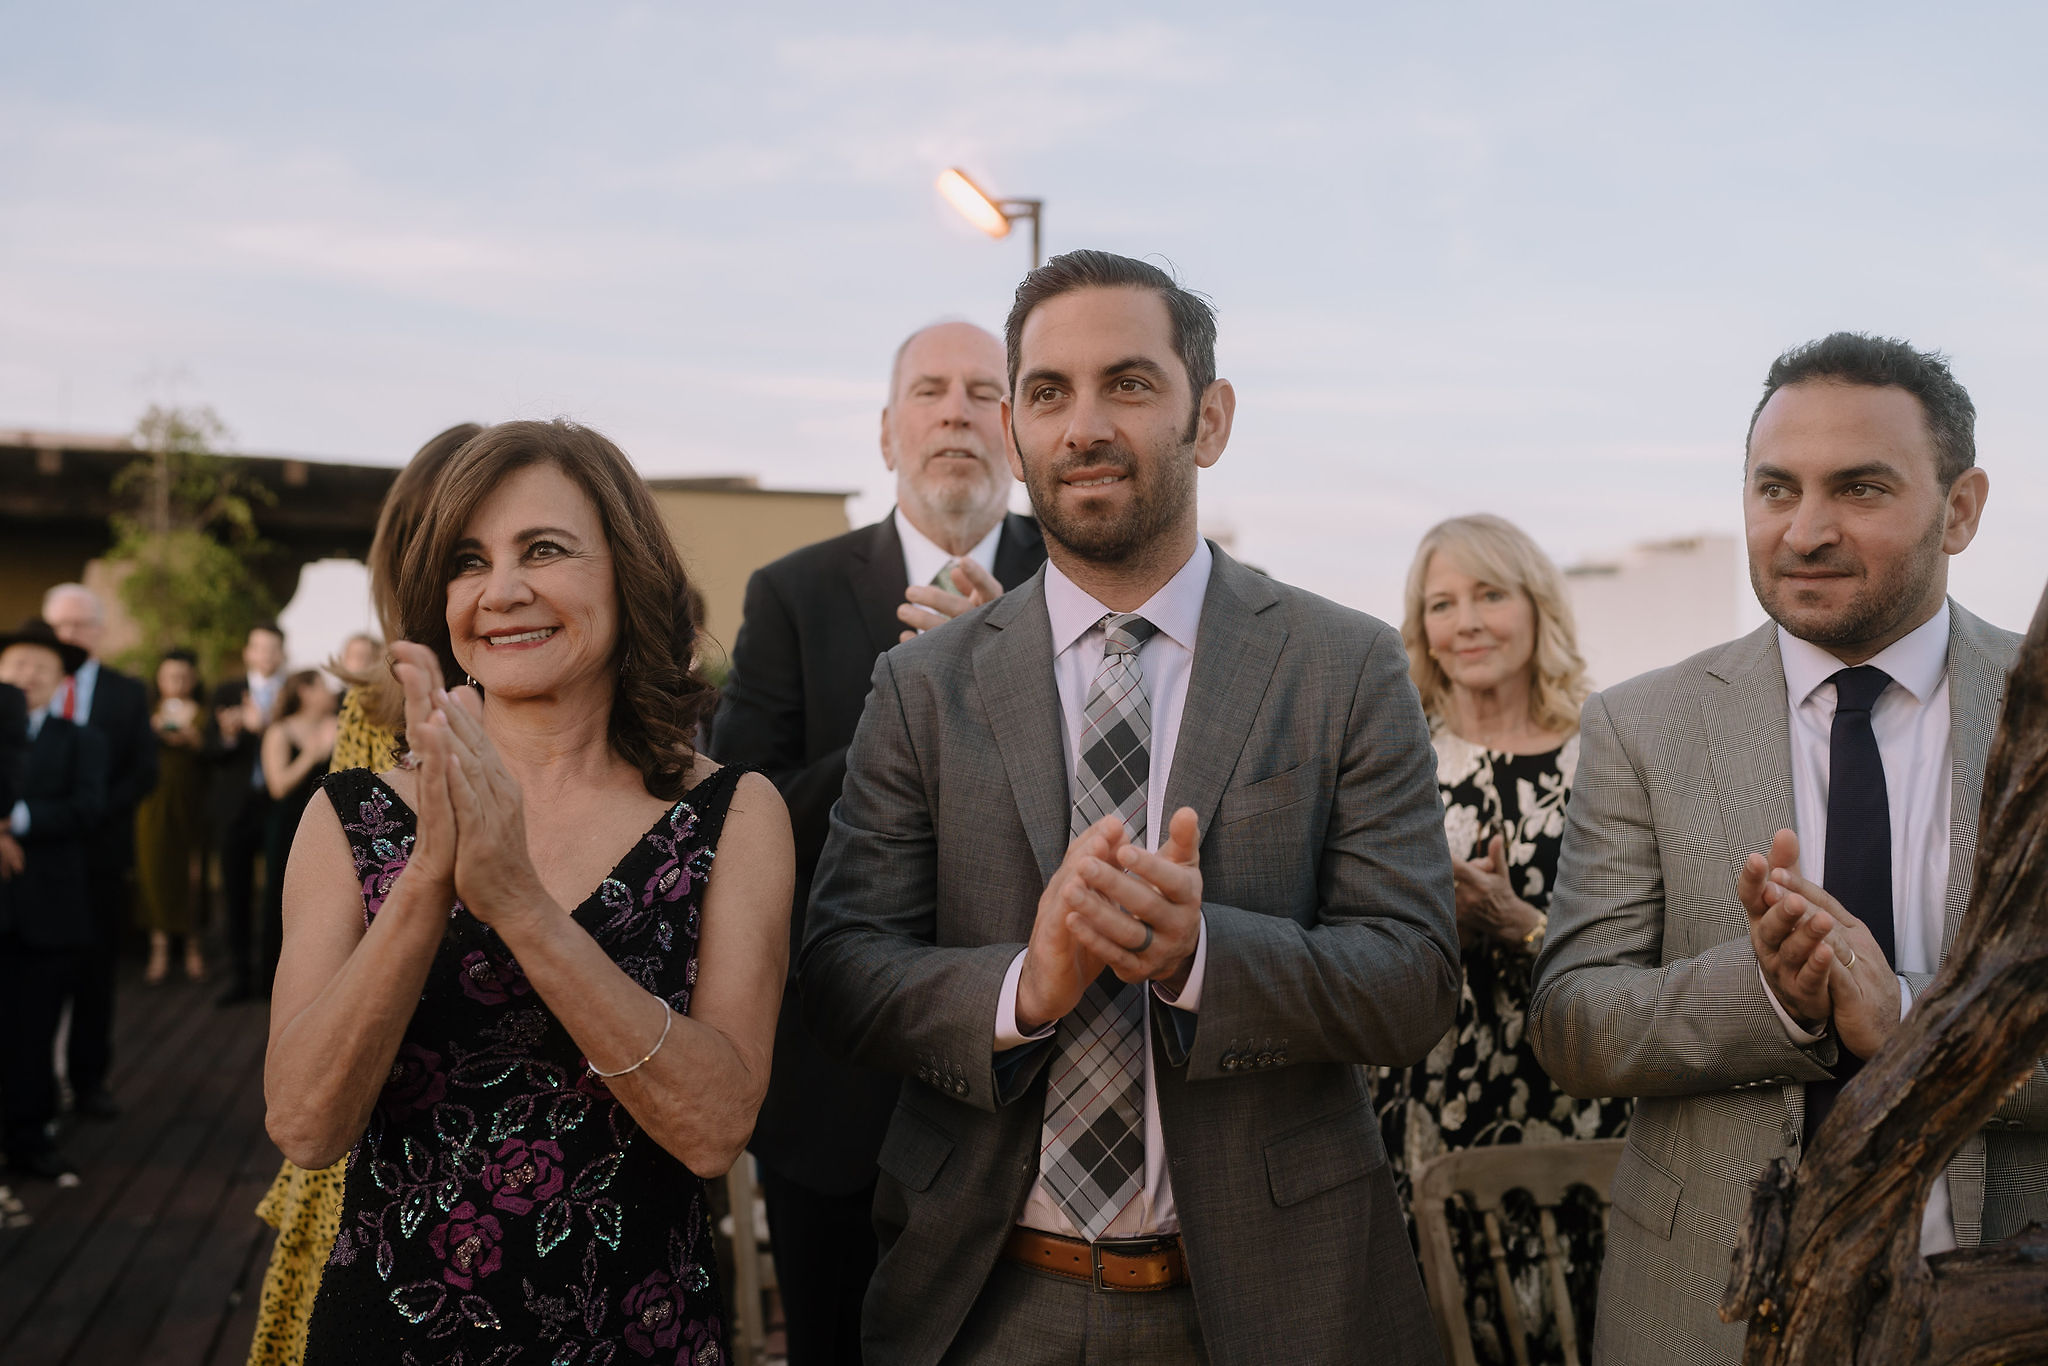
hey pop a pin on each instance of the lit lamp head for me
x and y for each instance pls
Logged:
(973, 203)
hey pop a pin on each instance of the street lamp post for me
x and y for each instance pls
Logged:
(993, 216)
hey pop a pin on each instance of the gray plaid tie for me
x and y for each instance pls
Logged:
(1092, 1149)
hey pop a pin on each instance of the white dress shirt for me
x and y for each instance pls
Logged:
(1165, 660)
(1911, 722)
(923, 557)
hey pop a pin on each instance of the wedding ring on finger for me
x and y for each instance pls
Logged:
(1852, 959)
(1148, 938)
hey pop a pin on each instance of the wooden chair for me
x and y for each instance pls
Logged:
(746, 1230)
(1485, 1176)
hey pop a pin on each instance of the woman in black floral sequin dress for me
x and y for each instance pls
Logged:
(530, 979)
(1489, 636)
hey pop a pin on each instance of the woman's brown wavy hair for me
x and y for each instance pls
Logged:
(659, 699)
(397, 523)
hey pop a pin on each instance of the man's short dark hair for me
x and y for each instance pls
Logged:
(268, 625)
(1194, 320)
(1886, 363)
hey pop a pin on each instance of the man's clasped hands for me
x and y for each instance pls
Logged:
(1821, 962)
(1113, 904)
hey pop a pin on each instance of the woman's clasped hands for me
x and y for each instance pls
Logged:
(471, 813)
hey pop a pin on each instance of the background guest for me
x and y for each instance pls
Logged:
(13, 749)
(305, 1206)
(360, 654)
(241, 710)
(1491, 648)
(814, 622)
(170, 825)
(116, 706)
(297, 747)
(46, 918)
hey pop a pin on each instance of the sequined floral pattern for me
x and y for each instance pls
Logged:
(502, 1207)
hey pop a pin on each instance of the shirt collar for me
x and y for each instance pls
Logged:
(1916, 661)
(1176, 609)
(38, 716)
(87, 673)
(923, 557)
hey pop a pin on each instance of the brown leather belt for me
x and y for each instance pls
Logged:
(1112, 1264)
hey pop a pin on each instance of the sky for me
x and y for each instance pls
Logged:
(1525, 259)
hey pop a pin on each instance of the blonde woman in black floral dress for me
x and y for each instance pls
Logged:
(1489, 636)
(530, 979)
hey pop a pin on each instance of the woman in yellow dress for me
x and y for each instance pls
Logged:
(305, 1206)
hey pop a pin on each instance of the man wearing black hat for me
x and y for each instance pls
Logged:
(45, 914)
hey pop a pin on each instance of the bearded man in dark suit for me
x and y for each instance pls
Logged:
(115, 706)
(1132, 870)
(814, 622)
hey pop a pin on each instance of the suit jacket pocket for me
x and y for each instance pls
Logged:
(1270, 793)
(1323, 1155)
(1646, 1193)
(914, 1150)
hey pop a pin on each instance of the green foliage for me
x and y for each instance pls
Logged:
(187, 545)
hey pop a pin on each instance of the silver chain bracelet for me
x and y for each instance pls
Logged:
(668, 1020)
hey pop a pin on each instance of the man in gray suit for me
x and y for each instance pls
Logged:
(1770, 845)
(1131, 869)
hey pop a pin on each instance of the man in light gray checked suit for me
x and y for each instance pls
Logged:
(1132, 868)
(1770, 845)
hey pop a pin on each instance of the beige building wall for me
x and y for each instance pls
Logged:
(1657, 603)
(728, 528)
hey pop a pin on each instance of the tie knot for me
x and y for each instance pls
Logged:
(1124, 632)
(1857, 689)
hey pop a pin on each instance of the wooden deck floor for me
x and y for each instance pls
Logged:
(156, 1257)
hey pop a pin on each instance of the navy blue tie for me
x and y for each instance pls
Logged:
(1859, 845)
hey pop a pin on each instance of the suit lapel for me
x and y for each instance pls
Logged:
(1749, 744)
(1976, 690)
(878, 581)
(1236, 650)
(1013, 669)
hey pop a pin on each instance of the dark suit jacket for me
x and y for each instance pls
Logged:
(120, 715)
(233, 795)
(13, 743)
(1331, 943)
(64, 783)
(814, 622)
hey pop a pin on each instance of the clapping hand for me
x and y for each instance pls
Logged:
(1487, 905)
(1821, 962)
(1790, 946)
(426, 737)
(927, 606)
(1146, 916)
(1861, 984)
(1057, 966)
(494, 872)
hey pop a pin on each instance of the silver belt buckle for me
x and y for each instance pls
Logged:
(1128, 1247)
